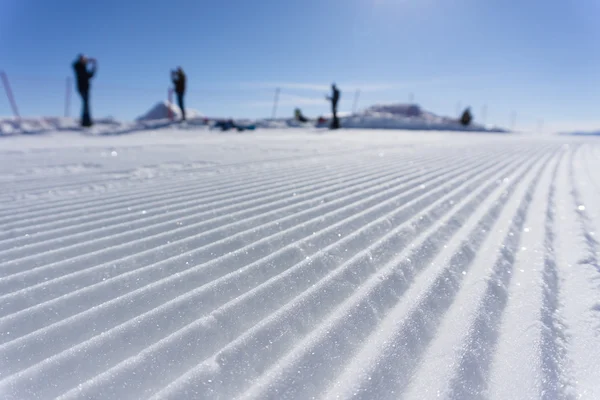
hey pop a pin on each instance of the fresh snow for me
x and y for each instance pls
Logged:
(175, 262)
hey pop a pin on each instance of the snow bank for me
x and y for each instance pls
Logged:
(380, 116)
(406, 116)
(161, 111)
(101, 127)
(387, 116)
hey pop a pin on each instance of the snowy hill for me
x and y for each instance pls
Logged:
(161, 111)
(388, 116)
(284, 265)
(406, 116)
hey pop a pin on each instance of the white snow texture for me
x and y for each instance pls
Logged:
(387, 116)
(182, 263)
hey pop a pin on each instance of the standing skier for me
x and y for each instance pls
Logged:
(334, 98)
(83, 76)
(466, 117)
(178, 78)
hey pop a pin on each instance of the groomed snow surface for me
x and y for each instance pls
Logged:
(299, 264)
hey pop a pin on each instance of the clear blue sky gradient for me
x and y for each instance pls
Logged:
(538, 58)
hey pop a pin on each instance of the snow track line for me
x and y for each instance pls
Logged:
(593, 247)
(556, 379)
(464, 267)
(244, 163)
(387, 205)
(437, 366)
(82, 181)
(308, 184)
(402, 281)
(216, 205)
(197, 211)
(228, 190)
(580, 298)
(235, 304)
(156, 187)
(127, 209)
(520, 336)
(34, 368)
(366, 285)
(260, 164)
(176, 192)
(18, 277)
(472, 373)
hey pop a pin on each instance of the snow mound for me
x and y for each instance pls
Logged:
(407, 116)
(39, 125)
(101, 127)
(386, 116)
(407, 110)
(161, 111)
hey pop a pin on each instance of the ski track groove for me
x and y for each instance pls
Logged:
(225, 240)
(556, 379)
(329, 274)
(186, 189)
(157, 186)
(408, 273)
(288, 194)
(521, 333)
(579, 277)
(42, 210)
(45, 333)
(231, 188)
(207, 338)
(377, 298)
(587, 227)
(17, 346)
(471, 380)
(198, 208)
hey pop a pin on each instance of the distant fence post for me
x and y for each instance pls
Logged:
(355, 104)
(275, 103)
(170, 98)
(68, 97)
(9, 94)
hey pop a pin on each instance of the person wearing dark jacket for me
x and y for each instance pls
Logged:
(178, 78)
(466, 117)
(334, 98)
(83, 76)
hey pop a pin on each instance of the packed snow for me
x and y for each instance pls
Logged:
(164, 110)
(295, 264)
(385, 116)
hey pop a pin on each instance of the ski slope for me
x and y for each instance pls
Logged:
(183, 264)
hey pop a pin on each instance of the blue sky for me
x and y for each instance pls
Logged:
(540, 59)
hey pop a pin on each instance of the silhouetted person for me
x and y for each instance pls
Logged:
(334, 98)
(178, 78)
(83, 76)
(466, 117)
(299, 116)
